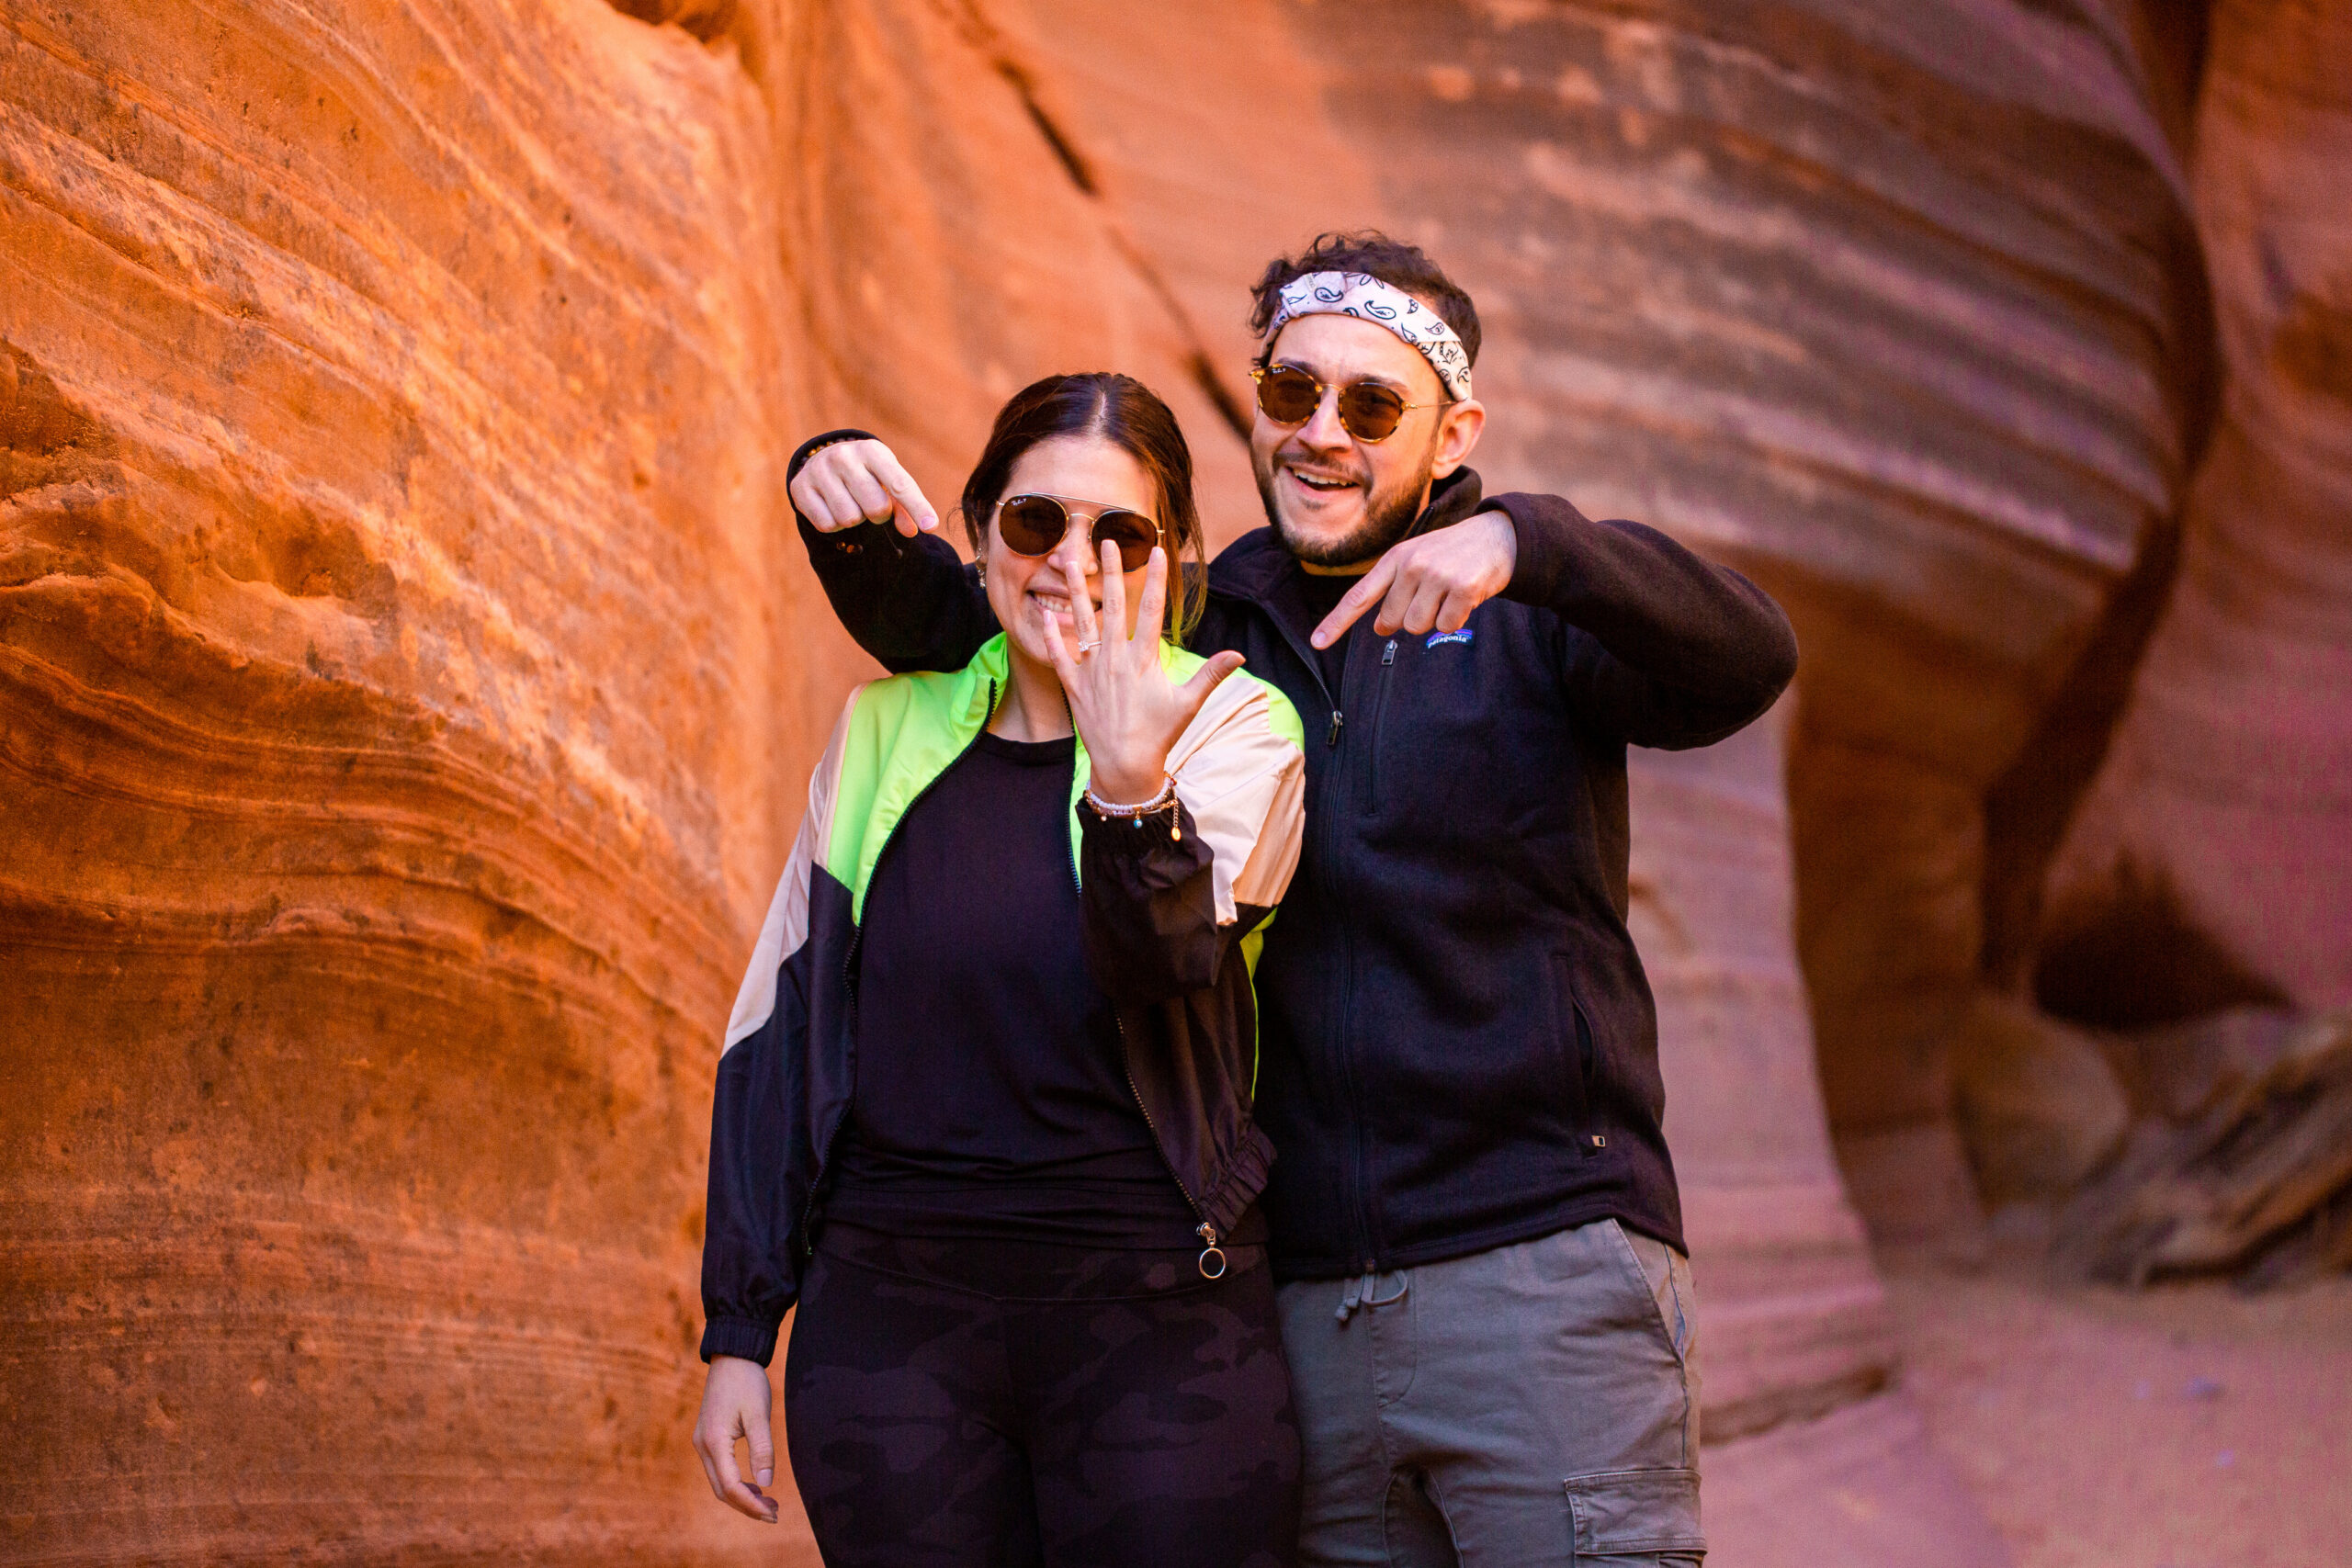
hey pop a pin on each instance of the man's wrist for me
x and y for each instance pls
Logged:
(1508, 537)
(1537, 555)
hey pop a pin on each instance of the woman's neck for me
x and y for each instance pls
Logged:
(1034, 707)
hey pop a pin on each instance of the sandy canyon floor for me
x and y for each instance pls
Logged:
(2186, 1427)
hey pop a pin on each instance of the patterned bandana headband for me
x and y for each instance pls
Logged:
(1361, 294)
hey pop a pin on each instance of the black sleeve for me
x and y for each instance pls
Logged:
(910, 603)
(750, 1266)
(1150, 907)
(1674, 651)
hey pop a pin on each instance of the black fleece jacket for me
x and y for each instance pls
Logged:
(1460, 1048)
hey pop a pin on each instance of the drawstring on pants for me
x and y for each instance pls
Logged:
(1360, 1290)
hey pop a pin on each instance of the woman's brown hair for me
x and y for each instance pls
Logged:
(1124, 412)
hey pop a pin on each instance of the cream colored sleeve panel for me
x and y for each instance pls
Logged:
(786, 926)
(1265, 876)
(1244, 787)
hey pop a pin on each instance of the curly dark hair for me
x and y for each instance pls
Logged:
(1391, 261)
(1125, 413)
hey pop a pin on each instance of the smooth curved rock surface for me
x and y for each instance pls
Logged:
(394, 693)
(2219, 834)
(407, 677)
(1861, 1488)
(1793, 1319)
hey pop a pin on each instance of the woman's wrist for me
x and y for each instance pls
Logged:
(1126, 786)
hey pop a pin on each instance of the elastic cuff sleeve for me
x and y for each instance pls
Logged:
(744, 1336)
(806, 449)
(853, 541)
(1138, 838)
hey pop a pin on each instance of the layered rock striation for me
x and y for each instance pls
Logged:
(2211, 862)
(396, 681)
(408, 677)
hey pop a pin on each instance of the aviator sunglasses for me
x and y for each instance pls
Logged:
(1034, 524)
(1368, 411)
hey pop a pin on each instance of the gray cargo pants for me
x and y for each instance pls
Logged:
(1535, 1403)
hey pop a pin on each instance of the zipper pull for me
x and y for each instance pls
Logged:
(1210, 1253)
(1333, 736)
(1388, 654)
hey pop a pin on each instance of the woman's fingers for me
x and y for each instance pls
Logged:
(1082, 607)
(1194, 692)
(761, 1440)
(1114, 597)
(1152, 609)
(717, 1454)
(1057, 651)
(707, 1450)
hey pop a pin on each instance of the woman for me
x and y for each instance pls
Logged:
(985, 1109)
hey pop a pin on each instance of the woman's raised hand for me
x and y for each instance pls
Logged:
(1125, 707)
(852, 482)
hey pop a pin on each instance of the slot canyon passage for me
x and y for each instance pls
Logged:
(409, 675)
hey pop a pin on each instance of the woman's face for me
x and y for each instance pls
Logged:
(1025, 591)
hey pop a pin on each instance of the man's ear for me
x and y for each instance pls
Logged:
(1457, 434)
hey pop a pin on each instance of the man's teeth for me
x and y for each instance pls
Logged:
(1317, 481)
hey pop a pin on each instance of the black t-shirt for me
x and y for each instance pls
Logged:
(1323, 593)
(991, 1098)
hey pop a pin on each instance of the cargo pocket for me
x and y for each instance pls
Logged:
(1630, 1512)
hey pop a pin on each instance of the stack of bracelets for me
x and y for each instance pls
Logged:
(1164, 801)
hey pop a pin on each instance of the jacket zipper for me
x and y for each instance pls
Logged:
(1204, 1230)
(849, 984)
(1323, 820)
(1379, 710)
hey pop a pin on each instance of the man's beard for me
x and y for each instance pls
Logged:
(1387, 518)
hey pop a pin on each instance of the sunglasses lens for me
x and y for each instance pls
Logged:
(1369, 410)
(1032, 524)
(1132, 532)
(1288, 396)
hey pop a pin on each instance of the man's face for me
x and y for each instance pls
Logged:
(1334, 500)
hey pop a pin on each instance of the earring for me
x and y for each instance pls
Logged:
(980, 572)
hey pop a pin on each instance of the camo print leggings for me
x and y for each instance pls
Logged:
(959, 1404)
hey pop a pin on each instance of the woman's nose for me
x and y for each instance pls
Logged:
(1077, 551)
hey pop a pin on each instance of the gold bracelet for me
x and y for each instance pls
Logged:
(1163, 801)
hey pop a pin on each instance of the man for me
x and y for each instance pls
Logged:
(1485, 1301)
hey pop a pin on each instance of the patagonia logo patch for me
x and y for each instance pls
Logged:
(1440, 638)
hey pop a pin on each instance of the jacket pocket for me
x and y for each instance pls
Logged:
(1371, 797)
(1626, 1511)
(1572, 1027)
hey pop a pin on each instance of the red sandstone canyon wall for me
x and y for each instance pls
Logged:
(408, 676)
(2212, 860)
(408, 680)
(394, 675)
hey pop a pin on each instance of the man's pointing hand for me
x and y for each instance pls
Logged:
(852, 482)
(1433, 582)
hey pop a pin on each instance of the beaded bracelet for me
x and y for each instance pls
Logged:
(1163, 801)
